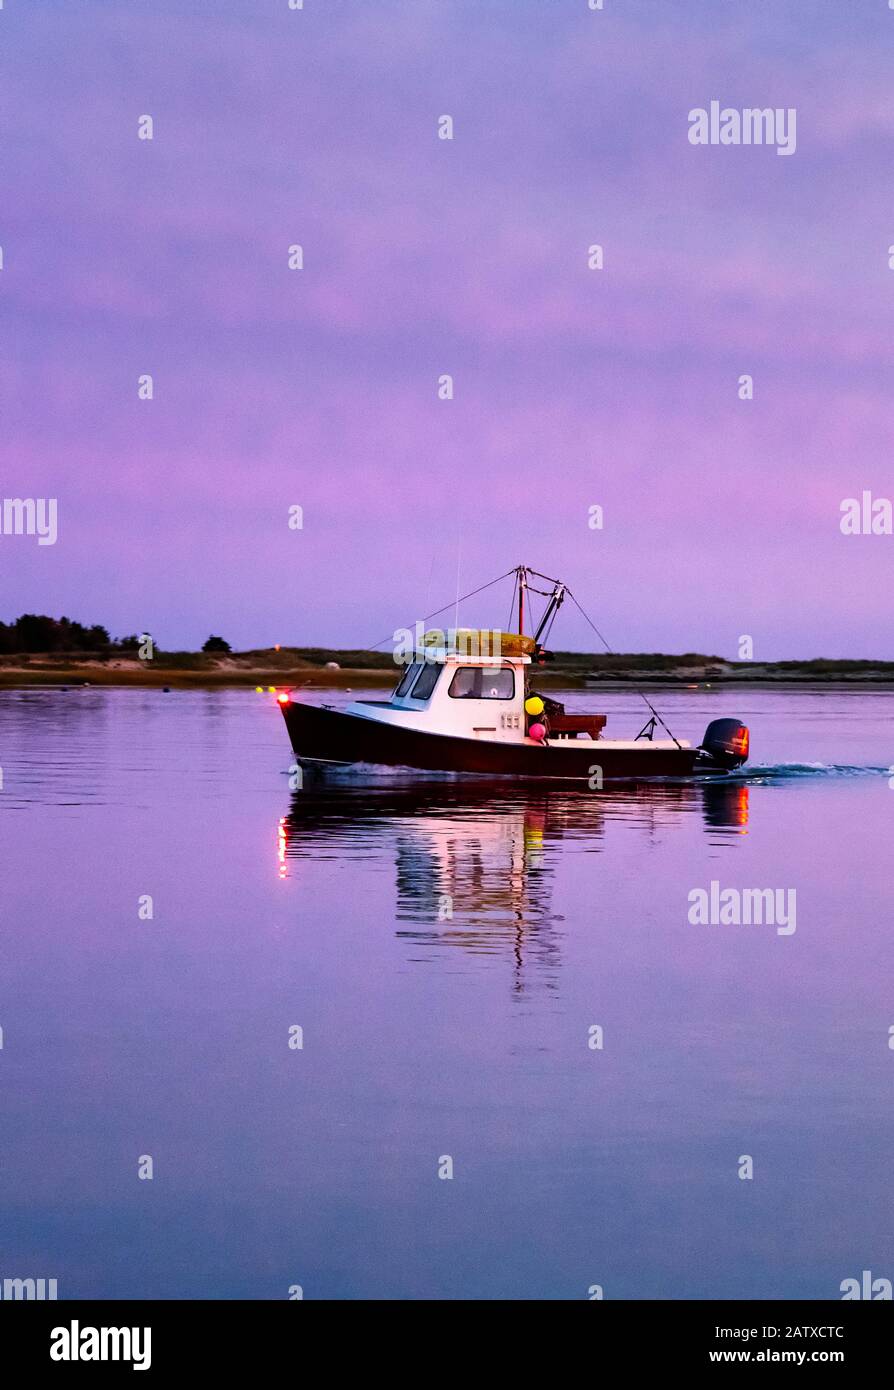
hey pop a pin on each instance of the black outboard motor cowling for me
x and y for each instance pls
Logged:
(726, 742)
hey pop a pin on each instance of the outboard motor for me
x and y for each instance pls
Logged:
(726, 742)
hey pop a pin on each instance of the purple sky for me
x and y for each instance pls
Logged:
(422, 257)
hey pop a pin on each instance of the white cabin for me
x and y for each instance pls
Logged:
(443, 691)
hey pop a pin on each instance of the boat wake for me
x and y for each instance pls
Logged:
(751, 774)
(780, 772)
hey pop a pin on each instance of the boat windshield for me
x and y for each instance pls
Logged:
(427, 680)
(407, 679)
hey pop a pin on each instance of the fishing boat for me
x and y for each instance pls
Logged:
(466, 702)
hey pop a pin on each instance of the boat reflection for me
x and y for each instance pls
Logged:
(725, 806)
(475, 863)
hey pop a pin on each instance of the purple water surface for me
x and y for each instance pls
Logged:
(426, 1035)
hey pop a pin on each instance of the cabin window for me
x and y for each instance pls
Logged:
(406, 680)
(483, 683)
(427, 681)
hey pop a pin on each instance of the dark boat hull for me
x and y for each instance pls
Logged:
(327, 736)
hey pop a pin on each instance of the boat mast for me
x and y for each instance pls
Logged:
(556, 599)
(522, 585)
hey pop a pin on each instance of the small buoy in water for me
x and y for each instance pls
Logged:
(166, 690)
(533, 705)
(537, 732)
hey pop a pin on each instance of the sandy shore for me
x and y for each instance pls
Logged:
(149, 674)
(206, 672)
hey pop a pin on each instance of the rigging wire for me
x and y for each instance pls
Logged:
(639, 692)
(427, 619)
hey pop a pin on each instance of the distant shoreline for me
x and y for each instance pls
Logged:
(283, 670)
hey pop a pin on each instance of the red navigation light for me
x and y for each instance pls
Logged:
(283, 698)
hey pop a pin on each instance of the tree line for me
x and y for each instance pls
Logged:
(35, 632)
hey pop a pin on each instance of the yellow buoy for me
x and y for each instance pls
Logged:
(533, 705)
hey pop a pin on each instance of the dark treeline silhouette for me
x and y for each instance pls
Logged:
(35, 632)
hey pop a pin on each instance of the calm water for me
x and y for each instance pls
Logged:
(427, 1035)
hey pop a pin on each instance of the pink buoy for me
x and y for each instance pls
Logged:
(537, 732)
